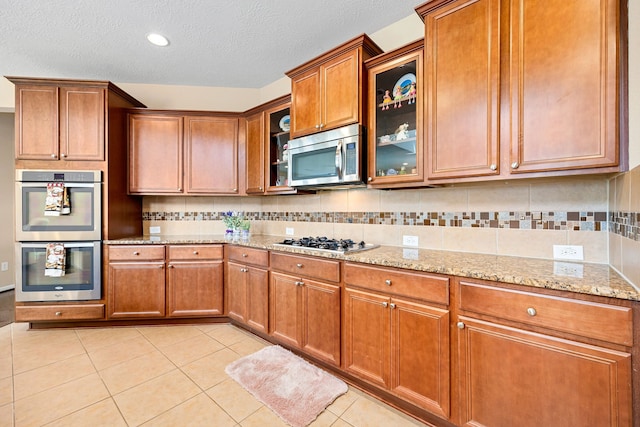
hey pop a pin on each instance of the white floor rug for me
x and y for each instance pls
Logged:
(294, 389)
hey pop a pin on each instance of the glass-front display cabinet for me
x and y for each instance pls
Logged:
(395, 142)
(277, 148)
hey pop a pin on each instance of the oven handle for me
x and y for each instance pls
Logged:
(339, 162)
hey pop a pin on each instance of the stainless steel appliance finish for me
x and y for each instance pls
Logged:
(325, 244)
(82, 223)
(82, 279)
(326, 159)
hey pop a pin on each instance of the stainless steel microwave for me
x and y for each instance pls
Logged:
(326, 159)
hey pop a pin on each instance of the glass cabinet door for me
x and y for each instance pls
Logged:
(395, 119)
(277, 139)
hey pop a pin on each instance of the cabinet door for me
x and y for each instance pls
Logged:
(462, 73)
(340, 91)
(255, 154)
(257, 299)
(195, 288)
(211, 145)
(564, 84)
(542, 380)
(285, 314)
(155, 154)
(37, 122)
(237, 292)
(321, 308)
(136, 289)
(366, 334)
(305, 103)
(420, 355)
(82, 118)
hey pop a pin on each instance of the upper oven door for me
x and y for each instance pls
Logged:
(82, 223)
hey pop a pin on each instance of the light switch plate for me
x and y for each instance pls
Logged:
(5, 266)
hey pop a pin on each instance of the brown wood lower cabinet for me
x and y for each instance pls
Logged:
(142, 285)
(303, 312)
(395, 343)
(517, 375)
(248, 287)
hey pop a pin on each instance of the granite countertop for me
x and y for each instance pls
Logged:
(591, 279)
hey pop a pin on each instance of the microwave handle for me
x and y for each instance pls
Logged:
(339, 159)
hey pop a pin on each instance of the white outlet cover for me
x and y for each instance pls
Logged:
(289, 231)
(154, 230)
(410, 241)
(570, 252)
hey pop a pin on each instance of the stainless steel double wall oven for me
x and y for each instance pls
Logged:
(78, 231)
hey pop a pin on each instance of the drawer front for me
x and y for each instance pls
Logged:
(59, 312)
(317, 268)
(599, 321)
(136, 253)
(422, 286)
(246, 255)
(195, 252)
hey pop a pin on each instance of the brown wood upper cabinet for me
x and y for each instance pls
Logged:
(522, 88)
(60, 121)
(172, 153)
(327, 91)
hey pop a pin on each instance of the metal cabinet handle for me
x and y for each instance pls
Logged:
(243, 270)
(515, 165)
(392, 305)
(195, 252)
(299, 265)
(170, 266)
(460, 325)
(300, 283)
(493, 167)
(369, 179)
(260, 188)
(136, 253)
(531, 311)
(244, 255)
(63, 155)
(385, 304)
(53, 156)
(387, 282)
(58, 313)
(234, 190)
(317, 126)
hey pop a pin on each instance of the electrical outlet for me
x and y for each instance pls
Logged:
(4, 266)
(289, 231)
(409, 240)
(568, 252)
(568, 269)
(154, 230)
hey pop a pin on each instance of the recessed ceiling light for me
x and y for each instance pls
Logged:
(157, 39)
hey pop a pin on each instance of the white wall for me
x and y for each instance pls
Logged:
(7, 180)
(634, 84)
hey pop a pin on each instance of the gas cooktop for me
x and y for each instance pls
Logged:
(326, 244)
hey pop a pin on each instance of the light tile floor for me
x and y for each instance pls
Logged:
(149, 376)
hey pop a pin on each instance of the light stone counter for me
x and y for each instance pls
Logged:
(592, 279)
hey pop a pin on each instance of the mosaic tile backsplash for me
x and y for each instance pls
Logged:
(627, 224)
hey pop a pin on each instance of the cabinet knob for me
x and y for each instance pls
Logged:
(317, 126)
(385, 304)
(234, 190)
(179, 188)
(195, 252)
(515, 165)
(369, 179)
(260, 188)
(493, 167)
(243, 270)
(392, 305)
(460, 325)
(300, 283)
(531, 311)
(321, 125)
(244, 255)
(58, 313)
(63, 155)
(53, 156)
(299, 265)
(136, 253)
(387, 282)
(170, 266)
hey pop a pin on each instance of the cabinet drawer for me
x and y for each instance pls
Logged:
(136, 253)
(248, 255)
(599, 321)
(195, 252)
(59, 312)
(414, 285)
(308, 267)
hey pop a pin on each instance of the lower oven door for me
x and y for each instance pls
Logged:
(81, 279)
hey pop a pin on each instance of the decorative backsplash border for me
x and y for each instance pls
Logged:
(625, 224)
(622, 223)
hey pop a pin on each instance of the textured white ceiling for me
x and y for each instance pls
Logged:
(241, 43)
